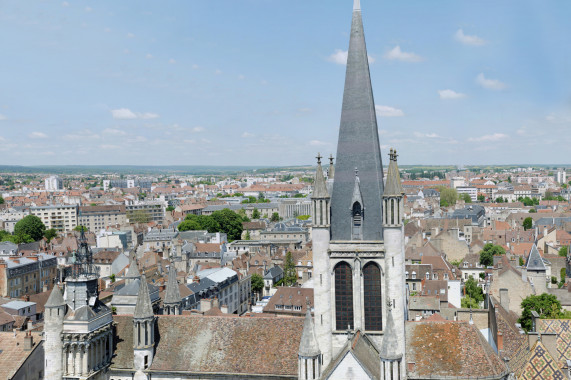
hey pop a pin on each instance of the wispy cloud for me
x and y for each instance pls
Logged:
(149, 56)
(468, 40)
(83, 134)
(198, 129)
(65, 4)
(114, 132)
(127, 114)
(340, 57)
(172, 61)
(130, 35)
(37, 135)
(247, 135)
(108, 146)
(396, 54)
(450, 94)
(490, 84)
(318, 143)
(426, 135)
(489, 138)
(2, 117)
(387, 111)
(88, 9)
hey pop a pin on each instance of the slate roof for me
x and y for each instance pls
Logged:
(55, 299)
(541, 365)
(364, 352)
(393, 185)
(534, 260)
(217, 345)
(308, 345)
(390, 341)
(143, 308)
(450, 348)
(319, 187)
(172, 290)
(358, 145)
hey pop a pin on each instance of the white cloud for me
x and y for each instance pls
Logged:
(123, 113)
(318, 143)
(149, 56)
(247, 135)
(218, 72)
(2, 138)
(2, 117)
(172, 61)
(205, 141)
(490, 84)
(489, 138)
(426, 135)
(241, 77)
(198, 129)
(189, 141)
(468, 40)
(114, 132)
(88, 9)
(108, 146)
(450, 94)
(396, 54)
(195, 67)
(37, 135)
(386, 111)
(84, 134)
(107, 30)
(264, 82)
(340, 57)
(130, 35)
(65, 4)
(304, 109)
(137, 139)
(127, 114)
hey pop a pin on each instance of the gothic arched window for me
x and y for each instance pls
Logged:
(372, 297)
(343, 296)
(357, 225)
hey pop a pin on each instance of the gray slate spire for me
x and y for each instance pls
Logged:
(357, 195)
(393, 186)
(55, 299)
(308, 345)
(143, 308)
(320, 188)
(534, 260)
(172, 295)
(389, 347)
(133, 270)
(358, 145)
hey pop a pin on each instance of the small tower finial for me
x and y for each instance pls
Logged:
(318, 158)
(330, 159)
(356, 172)
(356, 5)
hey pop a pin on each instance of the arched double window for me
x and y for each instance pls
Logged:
(372, 297)
(343, 296)
(357, 225)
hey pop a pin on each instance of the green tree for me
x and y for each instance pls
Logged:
(499, 200)
(255, 214)
(290, 274)
(527, 223)
(521, 261)
(32, 226)
(243, 215)
(488, 252)
(466, 198)
(275, 217)
(257, 282)
(112, 277)
(229, 222)
(481, 198)
(170, 208)
(1, 200)
(189, 225)
(50, 234)
(469, 303)
(139, 216)
(563, 251)
(247, 237)
(532, 211)
(472, 290)
(79, 228)
(546, 305)
(448, 196)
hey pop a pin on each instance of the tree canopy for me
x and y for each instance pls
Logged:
(488, 252)
(527, 223)
(255, 214)
(546, 305)
(275, 217)
(50, 234)
(226, 221)
(466, 198)
(290, 274)
(473, 294)
(32, 226)
(563, 251)
(257, 282)
(448, 197)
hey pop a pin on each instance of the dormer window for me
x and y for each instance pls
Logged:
(414, 275)
(357, 221)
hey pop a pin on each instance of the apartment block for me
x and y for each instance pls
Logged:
(96, 218)
(27, 275)
(62, 218)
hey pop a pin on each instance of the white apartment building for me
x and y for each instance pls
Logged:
(470, 190)
(54, 183)
(561, 176)
(62, 218)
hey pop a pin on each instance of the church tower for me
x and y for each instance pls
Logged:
(348, 248)
(55, 309)
(393, 348)
(172, 303)
(309, 355)
(143, 331)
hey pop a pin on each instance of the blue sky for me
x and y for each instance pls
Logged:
(260, 82)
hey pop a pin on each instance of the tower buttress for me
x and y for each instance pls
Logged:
(320, 234)
(393, 205)
(309, 355)
(172, 303)
(143, 329)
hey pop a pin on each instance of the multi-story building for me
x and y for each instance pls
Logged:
(146, 212)
(160, 237)
(470, 190)
(127, 183)
(292, 207)
(9, 218)
(224, 284)
(27, 275)
(62, 218)
(53, 183)
(96, 218)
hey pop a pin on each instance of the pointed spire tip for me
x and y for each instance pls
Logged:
(357, 5)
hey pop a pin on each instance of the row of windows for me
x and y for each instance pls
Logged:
(344, 316)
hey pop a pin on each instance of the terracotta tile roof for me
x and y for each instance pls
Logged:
(13, 354)
(449, 348)
(217, 345)
(290, 297)
(207, 247)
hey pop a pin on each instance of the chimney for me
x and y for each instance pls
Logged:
(28, 342)
(505, 299)
(500, 341)
(30, 326)
(215, 303)
(224, 309)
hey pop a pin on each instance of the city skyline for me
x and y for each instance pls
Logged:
(259, 82)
